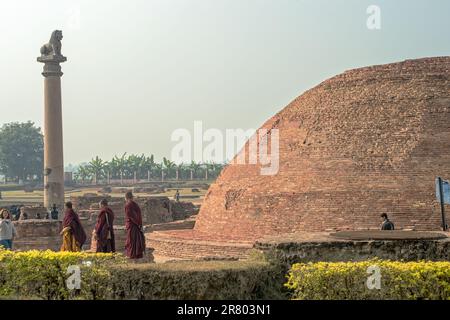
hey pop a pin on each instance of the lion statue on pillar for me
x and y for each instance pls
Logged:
(53, 47)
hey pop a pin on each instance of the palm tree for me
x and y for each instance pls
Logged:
(135, 164)
(107, 168)
(179, 170)
(120, 164)
(76, 177)
(208, 167)
(216, 168)
(194, 167)
(83, 172)
(113, 168)
(97, 167)
(159, 168)
(148, 164)
(169, 166)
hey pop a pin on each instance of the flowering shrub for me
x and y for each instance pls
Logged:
(355, 280)
(43, 274)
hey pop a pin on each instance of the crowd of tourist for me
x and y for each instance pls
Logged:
(74, 235)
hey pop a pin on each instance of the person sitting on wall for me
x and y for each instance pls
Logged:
(54, 212)
(23, 216)
(15, 212)
(73, 233)
(387, 224)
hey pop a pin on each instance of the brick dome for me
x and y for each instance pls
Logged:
(367, 141)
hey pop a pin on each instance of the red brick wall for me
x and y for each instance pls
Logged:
(367, 141)
(37, 235)
(183, 244)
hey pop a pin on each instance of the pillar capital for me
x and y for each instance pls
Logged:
(51, 55)
(52, 65)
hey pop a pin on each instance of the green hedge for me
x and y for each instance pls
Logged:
(11, 187)
(350, 280)
(43, 275)
(215, 280)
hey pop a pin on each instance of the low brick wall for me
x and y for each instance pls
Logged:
(37, 235)
(44, 234)
(301, 247)
(176, 225)
(155, 209)
(34, 228)
(320, 247)
(33, 212)
(41, 243)
(180, 244)
(34, 234)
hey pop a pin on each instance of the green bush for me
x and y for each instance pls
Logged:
(43, 275)
(215, 280)
(349, 280)
(11, 187)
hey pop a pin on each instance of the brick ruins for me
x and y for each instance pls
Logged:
(158, 213)
(367, 141)
(155, 211)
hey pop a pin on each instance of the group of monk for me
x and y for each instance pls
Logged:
(74, 235)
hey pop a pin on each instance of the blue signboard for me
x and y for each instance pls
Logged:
(445, 190)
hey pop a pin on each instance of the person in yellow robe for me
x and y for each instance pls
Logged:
(73, 233)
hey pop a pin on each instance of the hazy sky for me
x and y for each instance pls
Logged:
(139, 69)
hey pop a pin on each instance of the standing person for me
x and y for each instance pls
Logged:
(135, 245)
(177, 196)
(386, 224)
(104, 231)
(7, 230)
(72, 232)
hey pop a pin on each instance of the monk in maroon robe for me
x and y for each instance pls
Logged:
(135, 245)
(73, 233)
(104, 231)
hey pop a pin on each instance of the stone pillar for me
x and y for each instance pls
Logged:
(53, 132)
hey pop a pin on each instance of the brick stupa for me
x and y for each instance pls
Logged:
(367, 141)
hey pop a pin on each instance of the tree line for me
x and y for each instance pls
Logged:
(21, 152)
(22, 158)
(141, 167)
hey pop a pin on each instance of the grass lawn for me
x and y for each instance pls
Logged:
(22, 197)
(195, 265)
